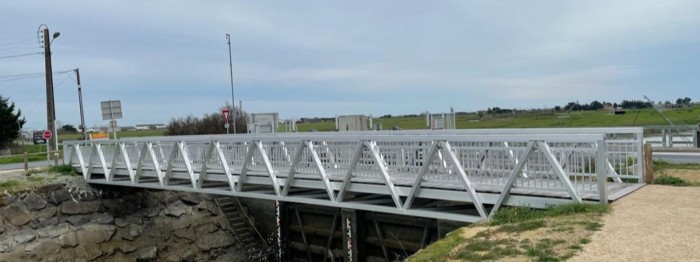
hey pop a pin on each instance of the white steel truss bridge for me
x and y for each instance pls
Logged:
(461, 175)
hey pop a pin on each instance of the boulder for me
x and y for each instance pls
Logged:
(104, 219)
(132, 231)
(16, 215)
(47, 222)
(87, 207)
(190, 199)
(88, 253)
(146, 253)
(2, 230)
(68, 240)
(46, 249)
(9, 200)
(127, 247)
(170, 197)
(176, 209)
(53, 232)
(78, 220)
(25, 236)
(130, 220)
(46, 213)
(94, 233)
(50, 188)
(151, 211)
(34, 202)
(206, 228)
(59, 196)
(219, 239)
(209, 207)
(185, 233)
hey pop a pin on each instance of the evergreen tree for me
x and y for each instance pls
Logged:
(10, 122)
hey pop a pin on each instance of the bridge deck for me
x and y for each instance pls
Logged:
(454, 175)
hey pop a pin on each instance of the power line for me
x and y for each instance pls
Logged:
(20, 55)
(15, 77)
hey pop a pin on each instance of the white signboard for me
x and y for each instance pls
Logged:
(111, 109)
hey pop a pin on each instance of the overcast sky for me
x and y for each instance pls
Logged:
(167, 59)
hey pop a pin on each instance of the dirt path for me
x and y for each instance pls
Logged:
(655, 223)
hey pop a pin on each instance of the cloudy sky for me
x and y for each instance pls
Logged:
(167, 59)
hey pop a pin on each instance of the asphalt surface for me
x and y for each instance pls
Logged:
(14, 166)
(690, 158)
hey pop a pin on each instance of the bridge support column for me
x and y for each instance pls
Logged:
(282, 213)
(353, 235)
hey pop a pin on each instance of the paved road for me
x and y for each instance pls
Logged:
(14, 166)
(693, 158)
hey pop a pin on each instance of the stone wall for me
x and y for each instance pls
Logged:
(113, 224)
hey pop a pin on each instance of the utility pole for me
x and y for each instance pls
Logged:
(230, 66)
(80, 99)
(50, 107)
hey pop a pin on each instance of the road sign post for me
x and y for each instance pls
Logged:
(112, 110)
(225, 112)
(47, 137)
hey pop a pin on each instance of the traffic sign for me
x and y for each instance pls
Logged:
(47, 134)
(225, 112)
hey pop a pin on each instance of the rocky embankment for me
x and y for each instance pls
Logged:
(55, 223)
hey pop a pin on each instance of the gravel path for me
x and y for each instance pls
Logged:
(655, 223)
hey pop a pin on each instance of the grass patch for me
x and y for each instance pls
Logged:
(438, 250)
(522, 226)
(593, 226)
(9, 184)
(508, 215)
(65, 170)
(671, 181)
(661, 165)
(486, 249)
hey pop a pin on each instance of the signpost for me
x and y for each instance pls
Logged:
(225, 112)
(47, 136)
(112, 110)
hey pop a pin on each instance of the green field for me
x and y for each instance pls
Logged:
(120, 134)
(633, 117)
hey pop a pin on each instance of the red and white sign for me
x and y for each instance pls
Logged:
(47, 134)
(225, 112)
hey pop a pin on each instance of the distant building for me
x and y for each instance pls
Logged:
(150, 126)
(263, 123)
(353, 123)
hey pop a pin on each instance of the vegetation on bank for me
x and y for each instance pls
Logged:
(553, 234)
(672, 174)
(524, 119)
(35, 177)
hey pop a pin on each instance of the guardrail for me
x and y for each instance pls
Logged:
(396, 172)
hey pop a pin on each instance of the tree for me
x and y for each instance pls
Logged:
(69, 129)
(208, 124)
(686, 100)
(10, 122)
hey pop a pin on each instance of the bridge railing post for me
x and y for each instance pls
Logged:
(602, 171)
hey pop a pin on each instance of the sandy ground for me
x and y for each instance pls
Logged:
(655, 223)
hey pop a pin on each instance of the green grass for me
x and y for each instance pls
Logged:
(660, 165)
(671, 181)
(438, 250)
(633, 117)
(509, 215)
(522, 226)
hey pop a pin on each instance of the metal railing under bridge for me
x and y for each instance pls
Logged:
(462, 175)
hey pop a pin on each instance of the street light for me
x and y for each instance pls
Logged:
(230, 66)
(50, 105)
